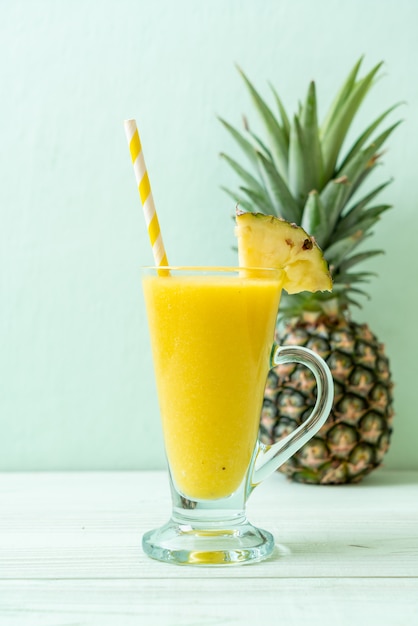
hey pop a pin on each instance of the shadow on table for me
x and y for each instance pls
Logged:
(388, 479)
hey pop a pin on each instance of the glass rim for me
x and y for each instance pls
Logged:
(208, 268)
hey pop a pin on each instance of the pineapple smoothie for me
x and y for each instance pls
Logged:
(211, 338)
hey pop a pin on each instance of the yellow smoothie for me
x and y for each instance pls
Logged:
(211, 339)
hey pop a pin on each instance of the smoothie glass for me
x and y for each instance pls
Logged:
(212, 333)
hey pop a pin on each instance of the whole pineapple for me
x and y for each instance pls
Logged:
(298, 172)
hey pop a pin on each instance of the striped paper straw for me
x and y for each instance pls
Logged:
(145, 193)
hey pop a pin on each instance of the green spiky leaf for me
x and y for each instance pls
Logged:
(350, 278)
(283, 114)
(277, 136)
(359, 219)
(305, 155)
(248, 178)
(296, 163)
(245, 145)
(338, 191)
(282, 199)
(371, 150)
(260, 146)
(339, 250)
(260, 201)
(363, 202)
(367, 134)
(314, 219)
(333, 198)
(333, 136)
(314, 165)
(349, 262)
(341, 97)
(240, 200)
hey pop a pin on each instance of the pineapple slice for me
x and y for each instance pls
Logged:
(267, 241)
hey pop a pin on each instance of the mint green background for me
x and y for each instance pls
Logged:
(76, 386)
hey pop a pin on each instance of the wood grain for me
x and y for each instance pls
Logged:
(70, 554)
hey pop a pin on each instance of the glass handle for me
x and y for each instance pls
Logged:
(270, 457)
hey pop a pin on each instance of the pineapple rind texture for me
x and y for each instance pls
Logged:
(357, 434)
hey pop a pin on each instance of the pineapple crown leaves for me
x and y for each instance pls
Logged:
(297, 171)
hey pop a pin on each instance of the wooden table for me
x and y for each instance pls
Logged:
(70, 555)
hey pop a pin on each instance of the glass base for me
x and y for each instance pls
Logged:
(212, 545)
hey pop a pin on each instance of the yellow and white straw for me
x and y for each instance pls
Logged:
(145, 193)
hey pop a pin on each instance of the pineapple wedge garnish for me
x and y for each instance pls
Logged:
(266, 241)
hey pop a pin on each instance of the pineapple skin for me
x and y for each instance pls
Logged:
(357, 433)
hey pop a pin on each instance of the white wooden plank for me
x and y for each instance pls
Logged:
(70, 555)
(193, 601)
(90, 526)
